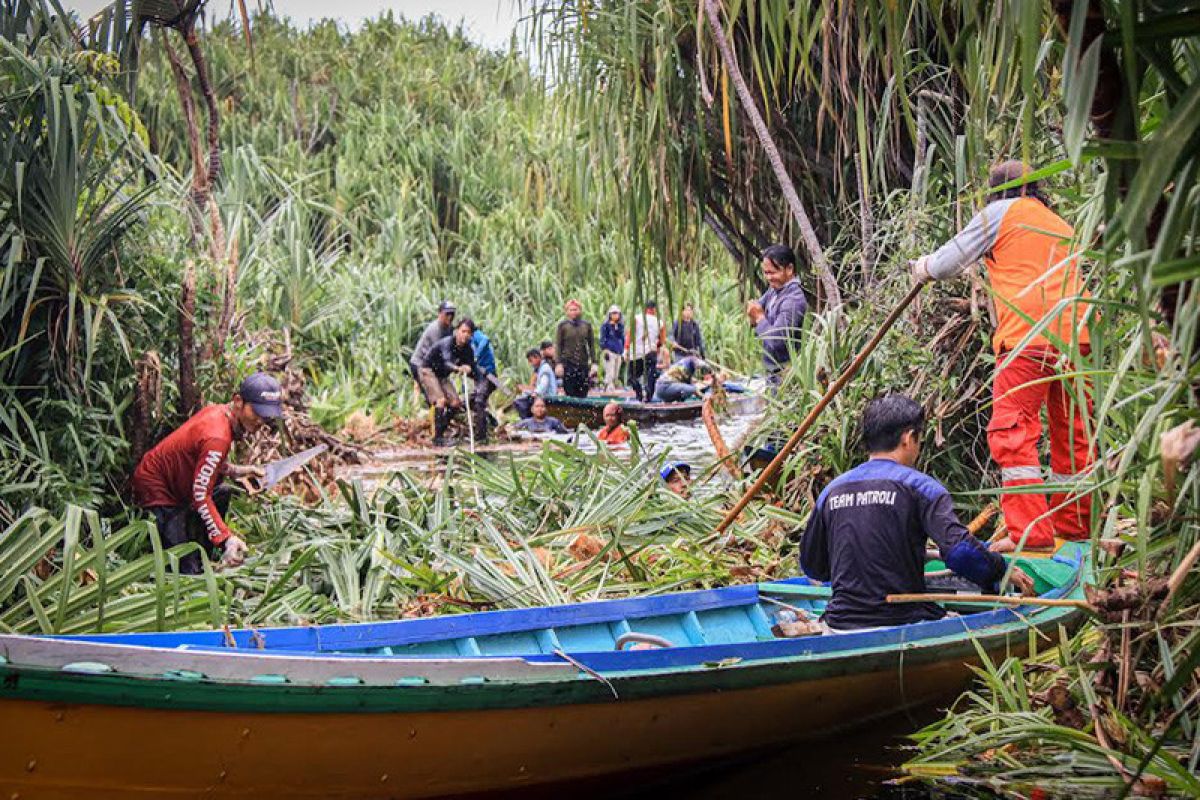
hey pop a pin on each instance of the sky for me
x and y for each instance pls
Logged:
(488, 22)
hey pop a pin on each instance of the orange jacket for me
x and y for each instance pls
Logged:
(611, 436)
(1033, 272)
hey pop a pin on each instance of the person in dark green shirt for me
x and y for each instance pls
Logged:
(575, 345)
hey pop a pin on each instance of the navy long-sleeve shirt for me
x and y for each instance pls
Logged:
(612, 336)
(779, 329)
(866, 536)
(446, 355)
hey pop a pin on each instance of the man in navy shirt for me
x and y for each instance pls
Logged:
(867, 533)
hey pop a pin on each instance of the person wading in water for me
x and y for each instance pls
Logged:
(613, 431)
(1033, 272)
(179, 480)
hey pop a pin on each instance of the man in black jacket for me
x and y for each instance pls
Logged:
(453, 354)
(867, 533)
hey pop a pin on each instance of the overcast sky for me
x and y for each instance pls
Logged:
(487, 21)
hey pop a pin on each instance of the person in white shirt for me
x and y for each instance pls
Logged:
(642, 342)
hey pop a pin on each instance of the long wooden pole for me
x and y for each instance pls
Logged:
(832, 392)
(1000, 599)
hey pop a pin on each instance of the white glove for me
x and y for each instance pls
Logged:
(920, 270)
(235, 552)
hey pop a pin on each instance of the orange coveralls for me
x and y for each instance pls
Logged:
(1035, 281)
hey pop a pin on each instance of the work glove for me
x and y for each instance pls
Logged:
(235, 552)
(920, 270)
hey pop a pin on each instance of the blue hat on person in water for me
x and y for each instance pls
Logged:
(264, 394)
(675, 466)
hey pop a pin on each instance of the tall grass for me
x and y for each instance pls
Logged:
(368, 176)
(912, 103)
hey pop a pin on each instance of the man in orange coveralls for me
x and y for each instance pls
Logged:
(1034, 275)
(178, 479)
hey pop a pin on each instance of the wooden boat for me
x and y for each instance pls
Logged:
(588, 411)
(462, 704)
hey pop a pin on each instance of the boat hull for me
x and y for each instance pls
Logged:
(573, 412)
(548, 697)
(52, 749)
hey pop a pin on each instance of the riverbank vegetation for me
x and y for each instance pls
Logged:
(362, 177)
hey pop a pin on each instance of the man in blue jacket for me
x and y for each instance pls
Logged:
(485, 383)
(867, 532)
(778, 315)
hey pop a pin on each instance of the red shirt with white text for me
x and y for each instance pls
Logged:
(182, 469)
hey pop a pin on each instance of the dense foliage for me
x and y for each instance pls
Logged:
(906, 106)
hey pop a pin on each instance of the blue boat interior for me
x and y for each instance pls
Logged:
(691, 628)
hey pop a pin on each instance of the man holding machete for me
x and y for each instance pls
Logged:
(179, 479)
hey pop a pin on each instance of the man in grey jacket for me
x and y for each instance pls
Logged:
(778, 315)
(435, 331)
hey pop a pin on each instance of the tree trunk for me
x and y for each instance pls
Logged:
(147, 404)
(206, 168)
(189, 392)
(210, 101)
(199, 195)
(807, 234)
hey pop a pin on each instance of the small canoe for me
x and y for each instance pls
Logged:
(588, 411)
(500, 700)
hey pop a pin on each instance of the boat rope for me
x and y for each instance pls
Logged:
(584, 668)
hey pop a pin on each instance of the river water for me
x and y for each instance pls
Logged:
(677, 441)
(861, 764)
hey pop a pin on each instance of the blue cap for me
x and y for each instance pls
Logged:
(675, 466)
(264, 395)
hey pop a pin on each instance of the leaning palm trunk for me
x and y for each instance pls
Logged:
(809, 236)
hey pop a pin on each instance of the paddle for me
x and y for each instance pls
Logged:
(836, 387)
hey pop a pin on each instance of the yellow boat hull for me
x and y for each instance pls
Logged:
(67, 751)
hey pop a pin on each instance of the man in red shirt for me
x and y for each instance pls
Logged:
(178, 479)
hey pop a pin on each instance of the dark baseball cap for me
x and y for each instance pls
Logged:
(264, 395)
(447, 306)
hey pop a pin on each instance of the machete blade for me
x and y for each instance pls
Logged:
(276, 471)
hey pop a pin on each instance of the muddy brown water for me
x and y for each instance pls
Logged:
(677, 441)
